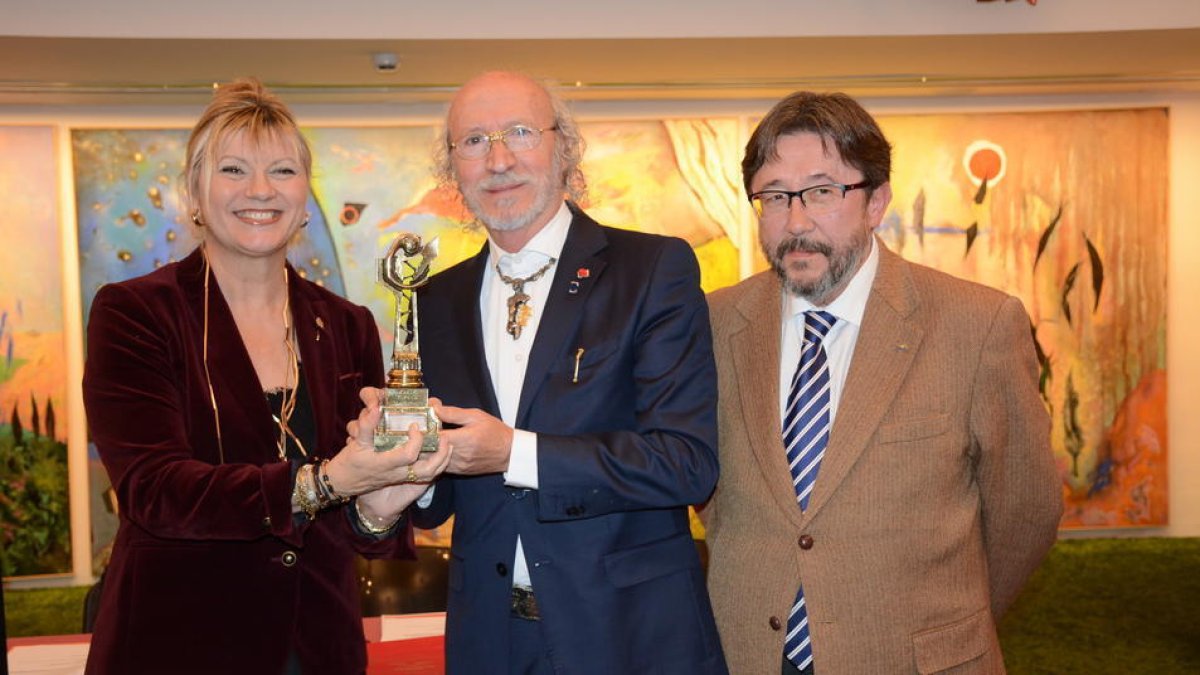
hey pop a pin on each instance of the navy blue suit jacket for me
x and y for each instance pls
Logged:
(621, 453)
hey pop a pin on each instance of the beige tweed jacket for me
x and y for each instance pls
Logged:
(937, 497)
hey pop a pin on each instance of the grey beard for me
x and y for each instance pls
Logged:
(818, 291)
(513, 222)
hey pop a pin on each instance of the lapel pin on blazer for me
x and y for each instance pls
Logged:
(581, 273)
(320, 327)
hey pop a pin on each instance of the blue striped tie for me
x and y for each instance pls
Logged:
(806, 423)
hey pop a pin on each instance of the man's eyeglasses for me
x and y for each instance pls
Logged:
(517, 139)
(817, 199)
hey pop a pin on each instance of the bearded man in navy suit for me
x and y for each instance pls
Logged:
(575, 366)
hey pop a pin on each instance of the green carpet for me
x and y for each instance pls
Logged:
(1108, 606)
(44, 611)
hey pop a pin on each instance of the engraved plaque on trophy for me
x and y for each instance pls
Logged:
(406, 400)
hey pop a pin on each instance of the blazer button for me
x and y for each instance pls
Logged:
(776, 624)
(806, 542)
(267, 522)
(289, 558)
(502, 569)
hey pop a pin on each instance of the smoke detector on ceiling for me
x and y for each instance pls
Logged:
(385, 62)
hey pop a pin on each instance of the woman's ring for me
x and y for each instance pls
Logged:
(412, 475)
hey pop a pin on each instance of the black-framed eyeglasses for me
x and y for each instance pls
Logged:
(817, 199)
(517, 138)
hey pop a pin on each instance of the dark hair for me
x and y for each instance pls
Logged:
(833, 117)
(242, 105)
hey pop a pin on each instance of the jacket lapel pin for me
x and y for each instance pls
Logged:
(320, 327)
(581, 273)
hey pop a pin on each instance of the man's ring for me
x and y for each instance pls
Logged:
(412, 475)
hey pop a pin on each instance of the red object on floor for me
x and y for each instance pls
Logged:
(79, 638)
(419, 656)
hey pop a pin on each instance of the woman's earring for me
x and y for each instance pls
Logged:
(196, 218)
(307, 215)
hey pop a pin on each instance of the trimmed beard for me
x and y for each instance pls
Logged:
(843, 263)
(546, 195)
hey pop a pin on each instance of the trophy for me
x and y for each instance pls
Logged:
(406, 400)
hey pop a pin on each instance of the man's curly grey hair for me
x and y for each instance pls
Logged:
(568, 150)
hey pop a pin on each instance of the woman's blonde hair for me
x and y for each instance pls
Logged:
(243, 105)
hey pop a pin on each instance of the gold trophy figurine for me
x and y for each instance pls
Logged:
(406, 400)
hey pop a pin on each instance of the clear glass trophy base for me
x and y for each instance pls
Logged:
(401, 409)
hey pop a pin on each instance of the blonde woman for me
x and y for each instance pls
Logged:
(219, 391)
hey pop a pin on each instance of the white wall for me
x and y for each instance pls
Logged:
(471, 19)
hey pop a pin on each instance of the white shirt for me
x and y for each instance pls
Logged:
(839, 343)
(507, 358)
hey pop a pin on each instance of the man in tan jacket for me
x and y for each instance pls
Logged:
(887, 483)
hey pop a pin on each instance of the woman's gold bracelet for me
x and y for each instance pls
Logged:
(304, 493)
(373, 527)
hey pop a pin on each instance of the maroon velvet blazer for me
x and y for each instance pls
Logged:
(210, 573)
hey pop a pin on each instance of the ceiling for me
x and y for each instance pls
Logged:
(43, 70)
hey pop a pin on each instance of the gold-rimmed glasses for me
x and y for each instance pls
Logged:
(518, 138)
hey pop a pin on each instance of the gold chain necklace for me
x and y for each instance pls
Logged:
(212, 396)
(291, 382)
(518, 302)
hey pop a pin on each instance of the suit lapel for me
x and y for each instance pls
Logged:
(755, 350)
(310, 317)
(887, 342)
(564, 306)
(235, 384)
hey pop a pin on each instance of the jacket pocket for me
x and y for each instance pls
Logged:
(947, 646)
(346, 396)
(588, 357)
(649, 561)
(914, 430)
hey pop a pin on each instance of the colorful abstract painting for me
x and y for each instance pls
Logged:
(1068, 211)
(371, 183)
(673, 177)
(34, 511)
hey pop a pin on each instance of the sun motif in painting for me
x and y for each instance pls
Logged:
(983, 160)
